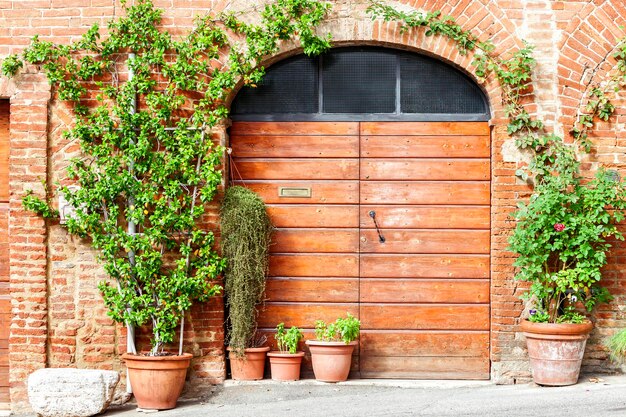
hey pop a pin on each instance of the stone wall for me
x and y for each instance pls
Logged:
(58, 317)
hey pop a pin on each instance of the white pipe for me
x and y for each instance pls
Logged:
(132, 229)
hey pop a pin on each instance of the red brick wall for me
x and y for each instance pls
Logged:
(58, 317)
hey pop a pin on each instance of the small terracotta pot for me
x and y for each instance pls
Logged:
(556, 351)
(251, 366)
(285, 366)
(157, 381)
(331, 360)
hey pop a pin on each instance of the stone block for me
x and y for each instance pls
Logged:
(65, 392)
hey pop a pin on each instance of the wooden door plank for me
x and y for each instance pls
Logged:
(425, 192)
(424, 128)
(424, 266)
(297, 169)
(295, 128)
(312, 289)
(295, 146)
(303, 314)
(466, 146)
(424, 343)
(387, 290)
(376, 169)
(306, 215)
(386, 316)
(315, 240)
(425, 241)
(314, 265)
(429, 217)
(424, 367)
(322, 192)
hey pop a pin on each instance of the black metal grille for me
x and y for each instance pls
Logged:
(359, 81)
(430, 86)
(290, 86)
(364, 83)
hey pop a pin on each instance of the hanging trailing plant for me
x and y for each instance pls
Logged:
(148, 165)
(246, 234)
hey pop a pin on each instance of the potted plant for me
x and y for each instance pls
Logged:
(561, 239)
(285, 363)
(331, 352)
(246, 234)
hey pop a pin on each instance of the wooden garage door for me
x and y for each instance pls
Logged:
(422, 295)
(5, 300)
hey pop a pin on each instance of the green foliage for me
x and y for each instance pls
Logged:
(246, 232)
(288, 340)
(11, 65)
(345, 329)
(599, 105)
(617, 346)
(154, 166)
(39, 206)
(561, 238)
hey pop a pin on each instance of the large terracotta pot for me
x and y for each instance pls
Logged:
(556, 351)
(251, 366)
(285, 366)
(157, 381)
(331, 360)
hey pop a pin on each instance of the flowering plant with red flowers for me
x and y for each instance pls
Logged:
(561, 237)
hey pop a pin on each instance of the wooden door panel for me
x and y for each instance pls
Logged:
(425, 343)
(295, 146)
(425, 241)
(295, 128)
(429, 217)
(312, 289)
(423, 295)
(425, 367)
(322, 192)
(425, 169)
(314, 265)
(386, 316)
(301, 215)
(315, 240)
(424, 266)
(466, 146)
(424, 192)
(374, 290)
(303, 315)
(297, 169)
(424, 128)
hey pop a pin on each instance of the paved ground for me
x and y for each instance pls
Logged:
(399, 398)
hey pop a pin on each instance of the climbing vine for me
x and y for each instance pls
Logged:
(148, 164)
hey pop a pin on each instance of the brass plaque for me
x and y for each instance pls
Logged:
(302, 192)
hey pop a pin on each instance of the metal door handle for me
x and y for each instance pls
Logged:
(381, 238)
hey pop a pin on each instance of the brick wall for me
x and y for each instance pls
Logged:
(58, 318)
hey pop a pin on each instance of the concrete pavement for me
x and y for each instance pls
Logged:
(357, 398)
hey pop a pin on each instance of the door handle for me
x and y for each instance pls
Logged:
(381, 238)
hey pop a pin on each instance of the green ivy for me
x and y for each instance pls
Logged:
(154, 164)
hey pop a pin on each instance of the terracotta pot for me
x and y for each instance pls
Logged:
(157, 381)
(331, 360)
(285, 366)
(249, 367)
(556, 351)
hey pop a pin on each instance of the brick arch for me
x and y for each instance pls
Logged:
(350, 25)
(587, 54)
